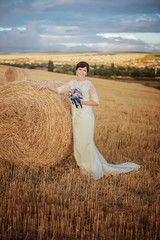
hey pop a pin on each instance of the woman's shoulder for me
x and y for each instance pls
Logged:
(90, 83)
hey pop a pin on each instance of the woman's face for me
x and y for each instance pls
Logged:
(81, 72)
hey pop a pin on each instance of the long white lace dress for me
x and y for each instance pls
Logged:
(87, 156)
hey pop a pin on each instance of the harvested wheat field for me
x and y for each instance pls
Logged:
(71, 57)
(59, 203)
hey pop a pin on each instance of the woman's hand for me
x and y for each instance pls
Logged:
(42, 87)
(53, 89)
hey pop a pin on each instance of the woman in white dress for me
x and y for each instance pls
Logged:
(87, 156)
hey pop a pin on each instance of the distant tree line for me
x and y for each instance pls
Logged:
(105, 72)
(122, 71)
(27, 65)
(66, 69)
(95, 70)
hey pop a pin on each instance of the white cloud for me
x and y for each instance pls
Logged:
(117, 35)
(5, 29)
(112, 46)
(69, 45)
(147, 37)
(60, 30)
(102, 46)
(52, 37)
(22, 28)
(147, 18)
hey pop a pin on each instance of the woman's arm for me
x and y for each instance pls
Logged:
(53, 89)
(94, 101)
(90, 103)
(61, 89)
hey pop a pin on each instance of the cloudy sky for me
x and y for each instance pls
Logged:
(79, 25)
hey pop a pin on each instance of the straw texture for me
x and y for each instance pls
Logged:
(35, 126)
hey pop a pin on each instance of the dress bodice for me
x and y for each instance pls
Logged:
(86, 87)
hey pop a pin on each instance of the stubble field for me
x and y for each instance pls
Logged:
(60, 203)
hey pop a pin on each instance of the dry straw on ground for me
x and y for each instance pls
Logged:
(35, 126)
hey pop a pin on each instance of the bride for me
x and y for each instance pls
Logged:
(87, 156)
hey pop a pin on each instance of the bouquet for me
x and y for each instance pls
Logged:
(76, 95)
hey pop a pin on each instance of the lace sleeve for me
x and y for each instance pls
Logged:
(64, 88)
(93, 93)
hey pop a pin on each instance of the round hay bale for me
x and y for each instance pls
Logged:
(35, 126)
(11, 75)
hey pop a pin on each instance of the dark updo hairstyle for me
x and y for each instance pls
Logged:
(82, 65)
